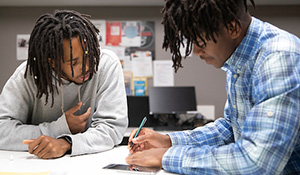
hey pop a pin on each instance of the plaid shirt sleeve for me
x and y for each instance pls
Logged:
(217, 133)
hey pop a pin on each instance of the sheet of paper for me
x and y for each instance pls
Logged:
(22, 46)
(141, 63)
(163, 73)
(120, 51)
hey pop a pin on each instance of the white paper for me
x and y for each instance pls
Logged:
(163, 73)
(22, 46)
(141, 63)
(101, 25)
(127, 63)
(120, 51)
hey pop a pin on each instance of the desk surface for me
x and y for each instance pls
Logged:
(23, 162)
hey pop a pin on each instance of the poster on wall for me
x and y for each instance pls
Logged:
(22, 46)
(113, 33)
(147, 38)
(131, 35)
(163, 73)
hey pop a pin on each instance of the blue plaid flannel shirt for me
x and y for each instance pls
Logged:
(260, 131)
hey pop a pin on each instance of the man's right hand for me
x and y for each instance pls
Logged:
(77, 123)
(148, 139)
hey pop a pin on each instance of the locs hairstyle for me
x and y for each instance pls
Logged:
(192, 19)
(46, 47)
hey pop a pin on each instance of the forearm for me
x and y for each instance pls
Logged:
(97, 139)
(13, 132)
(217, 133)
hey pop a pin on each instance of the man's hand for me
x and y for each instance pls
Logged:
(77, 123)
(148, 139)
(148, 158)
(46, 147)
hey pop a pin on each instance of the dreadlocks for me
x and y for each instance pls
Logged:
(46, 48)
(192, 19)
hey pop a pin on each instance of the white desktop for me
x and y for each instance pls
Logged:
(23, 163)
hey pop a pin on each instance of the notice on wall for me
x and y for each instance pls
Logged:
(163, 73)
(141, 63)
(22, 46)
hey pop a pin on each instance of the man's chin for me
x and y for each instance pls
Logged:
(79, 83)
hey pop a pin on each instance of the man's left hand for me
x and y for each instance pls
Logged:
(148, 158)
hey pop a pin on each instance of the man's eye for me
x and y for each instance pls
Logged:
(74, 63)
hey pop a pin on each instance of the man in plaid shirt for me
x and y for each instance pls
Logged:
(260, 131)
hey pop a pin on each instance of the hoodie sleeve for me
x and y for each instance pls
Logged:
(16, 106)
(109, 120)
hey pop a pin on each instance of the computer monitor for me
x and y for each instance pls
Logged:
(138, 107)
(172, 100)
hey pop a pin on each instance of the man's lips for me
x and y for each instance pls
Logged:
(84, 78)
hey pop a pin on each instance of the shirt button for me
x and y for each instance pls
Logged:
(239, 66)
(234, 106)
(270, 114)
(235, 76)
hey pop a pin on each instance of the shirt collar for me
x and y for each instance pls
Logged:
(246, 49)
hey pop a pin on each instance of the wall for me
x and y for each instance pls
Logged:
(209, 82)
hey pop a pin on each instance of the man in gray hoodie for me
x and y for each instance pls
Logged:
(87, 112)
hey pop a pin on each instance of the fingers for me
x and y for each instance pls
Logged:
(135, 159)
(148, 158)
(131, 136)
(27, 142)
(37, 146)
(75, 108)
(34, 144)
(46, 147)
(87, 114)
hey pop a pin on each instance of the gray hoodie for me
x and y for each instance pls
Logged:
(23, 116)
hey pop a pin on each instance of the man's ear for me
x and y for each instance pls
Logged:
(234, 30)
(51, 62)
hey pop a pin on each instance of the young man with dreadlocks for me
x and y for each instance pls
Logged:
(260, 131)
(88, 110)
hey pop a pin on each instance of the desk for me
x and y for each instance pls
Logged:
(90, 164)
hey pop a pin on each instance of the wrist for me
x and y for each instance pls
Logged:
(67, 144)
(168, 141)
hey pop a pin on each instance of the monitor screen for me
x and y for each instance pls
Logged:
(138, 108)
(172, 100)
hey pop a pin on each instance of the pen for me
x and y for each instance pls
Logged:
(138, 131)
